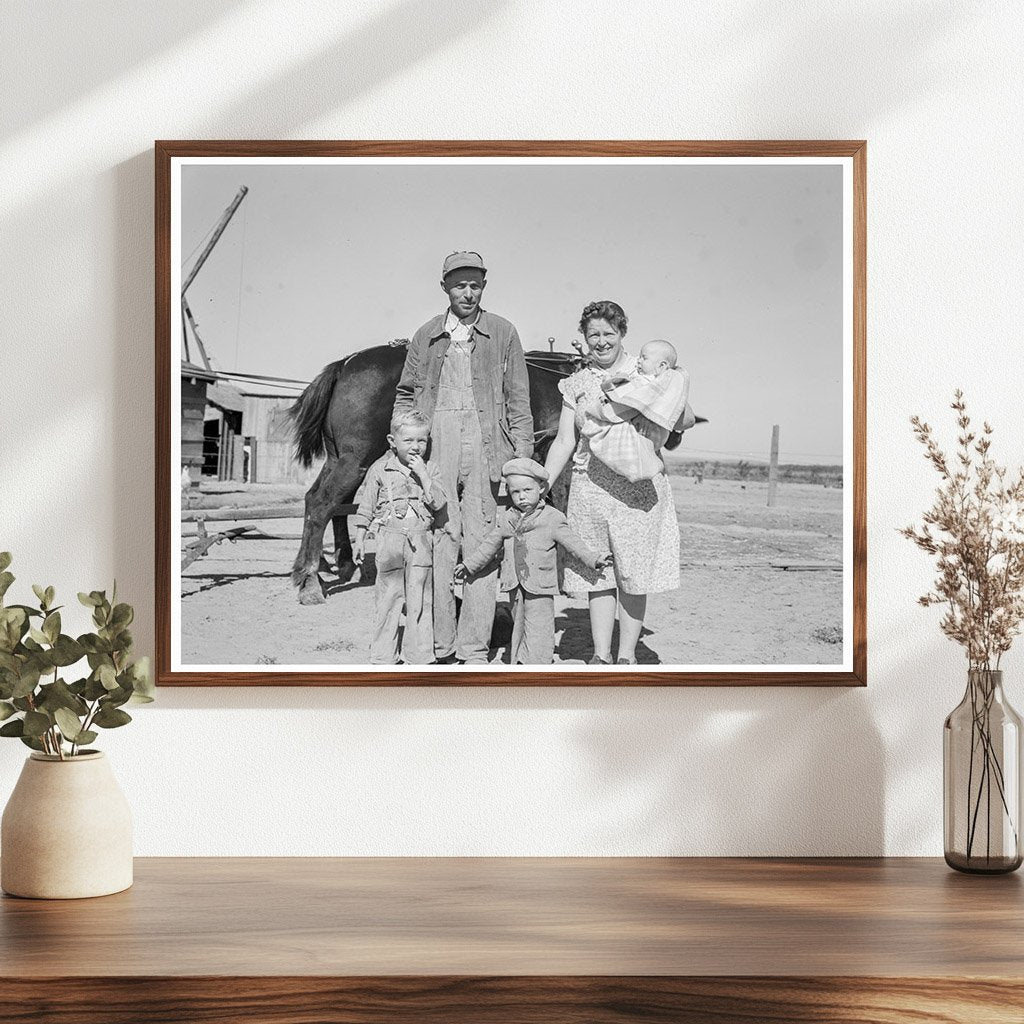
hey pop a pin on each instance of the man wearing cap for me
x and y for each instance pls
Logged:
(465, 371)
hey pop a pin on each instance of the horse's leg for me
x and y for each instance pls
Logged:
(307, 561)
(336, 485)
(345, 567)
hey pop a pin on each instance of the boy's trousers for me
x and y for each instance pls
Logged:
(404, 560)
(533, 628)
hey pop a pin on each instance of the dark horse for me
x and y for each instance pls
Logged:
(345, 414)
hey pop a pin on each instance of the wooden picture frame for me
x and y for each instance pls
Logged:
(831, 253)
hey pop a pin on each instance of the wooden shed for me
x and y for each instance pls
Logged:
(267, 429)
(194, 383)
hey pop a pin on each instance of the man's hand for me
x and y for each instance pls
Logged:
(604, 560)
(460, 573)
(358, 549)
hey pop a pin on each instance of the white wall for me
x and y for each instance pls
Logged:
(936, 89)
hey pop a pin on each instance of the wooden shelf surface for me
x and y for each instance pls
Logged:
(373, 939)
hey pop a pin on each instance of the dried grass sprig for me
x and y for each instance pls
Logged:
(975, 530)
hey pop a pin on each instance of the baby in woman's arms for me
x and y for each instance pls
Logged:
(629, 426)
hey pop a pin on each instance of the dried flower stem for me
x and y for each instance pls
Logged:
(975, 530)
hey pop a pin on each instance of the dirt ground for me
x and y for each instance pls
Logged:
(736, 604)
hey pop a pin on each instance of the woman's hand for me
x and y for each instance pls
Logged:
(614, 381)
(604, 560)
(359, 549)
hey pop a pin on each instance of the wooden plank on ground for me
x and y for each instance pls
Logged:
(243, 514)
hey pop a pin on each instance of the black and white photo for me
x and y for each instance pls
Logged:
(510, 417)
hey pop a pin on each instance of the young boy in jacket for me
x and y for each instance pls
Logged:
(529, 532)
(401, 495)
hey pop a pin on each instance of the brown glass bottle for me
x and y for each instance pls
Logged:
(981, 776)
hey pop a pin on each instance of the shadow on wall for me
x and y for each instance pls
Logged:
(408, 32)
(132, 387)
(694, 771)
(395, 38)
(49, 47)
(737, 771)
(827, 68)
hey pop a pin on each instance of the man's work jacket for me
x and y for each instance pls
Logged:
(501, 386)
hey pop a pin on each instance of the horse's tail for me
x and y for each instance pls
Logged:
(310, 411)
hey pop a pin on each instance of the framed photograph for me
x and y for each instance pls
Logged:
(510, 413)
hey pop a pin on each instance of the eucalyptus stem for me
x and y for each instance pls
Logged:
(58, 739)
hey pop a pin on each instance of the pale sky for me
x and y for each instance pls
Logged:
(740, 267)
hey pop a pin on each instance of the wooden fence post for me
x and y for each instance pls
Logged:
(773, 467)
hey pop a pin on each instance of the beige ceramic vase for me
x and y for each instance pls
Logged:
(66, 831)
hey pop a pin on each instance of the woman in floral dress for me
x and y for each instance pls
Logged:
(635, 521)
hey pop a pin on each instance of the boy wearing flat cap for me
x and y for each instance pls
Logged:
(529, 571)
(466, 373)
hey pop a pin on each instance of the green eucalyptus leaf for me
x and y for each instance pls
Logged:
(5, 559)
(86, 736)
(38, 636)
(13, 626)
(69, 724)
(107, 676)
(122, 616)
(14, 728)
(40, 593)
(142, 678)
(27, 681)
(89, 600)
(123, 641)
(97, 645)
(115, 698)
(66, 651)
(94, 689)
(36, 723)
(15, 614)
(29, 611)
(22, 703)
(31, 741)
(59, 695)
(111, 718)
(50, 594)
(9, 663)
(51, 626)
(6, 710)
(6, 579)
(141, 698)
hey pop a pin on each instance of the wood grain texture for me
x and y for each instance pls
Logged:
(166, 150)
(523, 1000)
(529, 916)
(871, 941)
